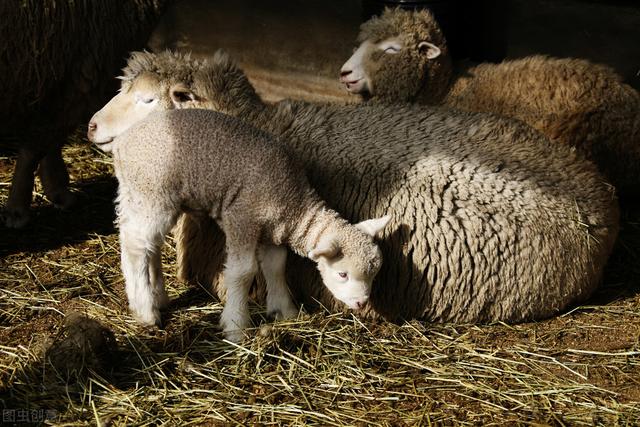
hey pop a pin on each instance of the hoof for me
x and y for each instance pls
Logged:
(234, 335)
(283, 314)
(148, 317)
(233, 326)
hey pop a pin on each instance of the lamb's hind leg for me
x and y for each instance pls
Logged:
(239, 271)
(141, 239)
(273, 260)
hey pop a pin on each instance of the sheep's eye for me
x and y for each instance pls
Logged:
(145, 99)
(342, 274)
(391, 49)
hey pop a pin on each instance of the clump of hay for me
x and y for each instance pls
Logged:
(81, 345)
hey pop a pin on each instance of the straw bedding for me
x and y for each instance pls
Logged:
(581, 368)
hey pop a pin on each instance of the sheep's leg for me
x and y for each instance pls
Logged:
(141, 241)
(239, 272)
(55, 179)
(273, 260)
(16, 213)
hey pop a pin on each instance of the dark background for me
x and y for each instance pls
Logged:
(291, 47)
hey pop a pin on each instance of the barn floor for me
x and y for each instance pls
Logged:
(580, 368)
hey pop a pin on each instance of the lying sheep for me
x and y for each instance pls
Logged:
(403, 58)
(57, 61)
(493, 222)
(209, 164)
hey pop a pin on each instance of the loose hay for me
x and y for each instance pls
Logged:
(582, 368)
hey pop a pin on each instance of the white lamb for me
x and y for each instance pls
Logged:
(206, 163)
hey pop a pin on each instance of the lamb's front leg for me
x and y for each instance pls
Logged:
(239, 272)
(140, 244)
(273, 260)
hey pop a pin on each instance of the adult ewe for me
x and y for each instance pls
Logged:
(57, 61)
(403, 57)
(494, 222)
(216, 166)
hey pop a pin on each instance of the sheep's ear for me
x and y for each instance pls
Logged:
(327, 249)
(431, 50)
(181, 95)
(374, 226)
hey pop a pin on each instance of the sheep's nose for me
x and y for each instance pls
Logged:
(344, 73)
(360, 304)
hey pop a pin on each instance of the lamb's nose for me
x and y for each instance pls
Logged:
(92, 126)
(360, 304)
(344, 73)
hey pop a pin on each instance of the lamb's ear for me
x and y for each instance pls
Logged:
(431, 50)
(374, 226)
(181, 95)
(327, 249)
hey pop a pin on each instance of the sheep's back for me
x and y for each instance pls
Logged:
(492, 221)
(572, 101)
(201, 160)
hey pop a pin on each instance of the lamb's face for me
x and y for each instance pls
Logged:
(349, 260)
(346, 278)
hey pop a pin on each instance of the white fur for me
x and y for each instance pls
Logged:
(352, 73)
(273, 264)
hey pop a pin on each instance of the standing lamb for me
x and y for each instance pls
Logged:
(493, 222)
(57, 61)
(403, 58)
(209, 164)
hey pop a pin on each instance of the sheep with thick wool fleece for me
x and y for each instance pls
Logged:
(493, 222)
(403, 58)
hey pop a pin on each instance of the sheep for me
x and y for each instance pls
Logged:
(403, 58)
(57, 61)
(492, 222)
(209, 164)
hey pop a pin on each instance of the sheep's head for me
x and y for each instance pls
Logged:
(349, 259)
(169, 80)
(402, 55)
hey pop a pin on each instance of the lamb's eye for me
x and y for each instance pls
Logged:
(391, 49)
(147, 100)
(342, 274)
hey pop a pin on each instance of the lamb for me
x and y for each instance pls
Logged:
(493, 223)
(403, 58)
(57, 61)
(209, 164)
